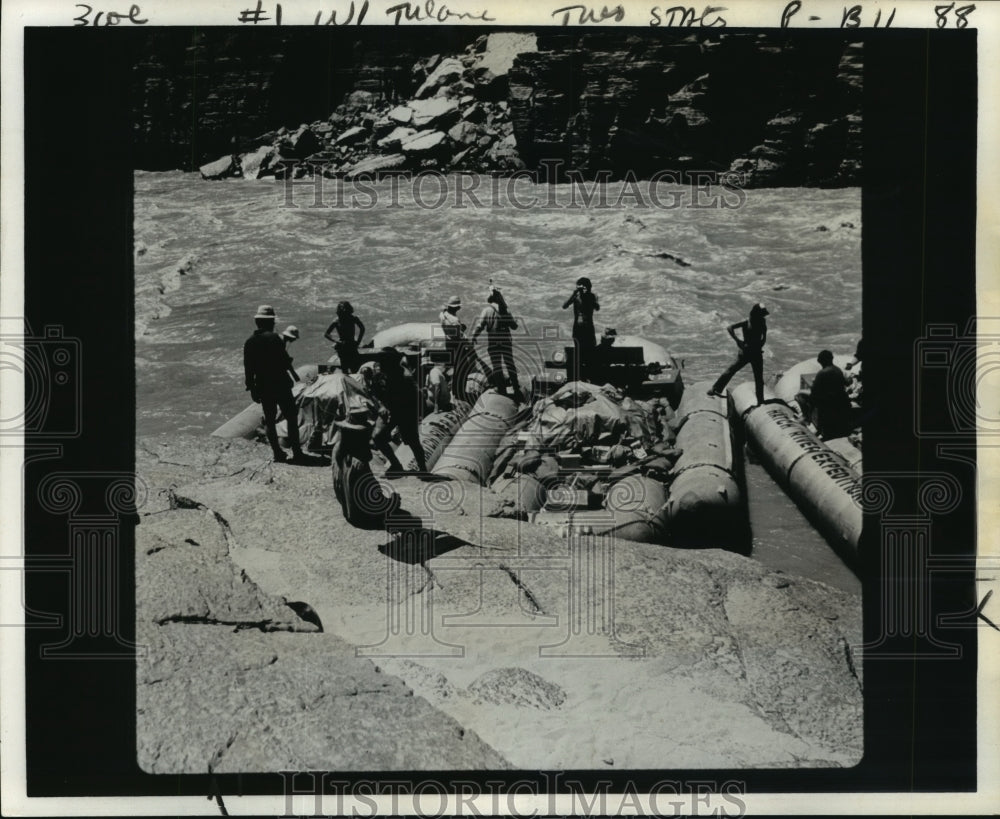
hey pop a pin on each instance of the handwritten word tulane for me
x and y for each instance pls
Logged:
(111, 18)
(686, 16)
(429, 11)
(588, 15)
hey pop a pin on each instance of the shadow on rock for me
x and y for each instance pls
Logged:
(310, 460)
(416, 544)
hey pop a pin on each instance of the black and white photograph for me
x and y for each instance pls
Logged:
(499, 400)
(416, 394)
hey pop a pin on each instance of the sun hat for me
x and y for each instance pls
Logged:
(265, 311)
(454, 301)
(291, 332)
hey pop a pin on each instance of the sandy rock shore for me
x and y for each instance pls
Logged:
(280, 637)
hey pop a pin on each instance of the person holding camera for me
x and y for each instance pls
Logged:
(751, 346)
(497, 321)
(584, 304)
(266, 368)
(347, 343)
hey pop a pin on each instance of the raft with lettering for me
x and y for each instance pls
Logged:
(820, 480)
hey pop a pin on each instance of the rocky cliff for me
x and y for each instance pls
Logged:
(783, 111)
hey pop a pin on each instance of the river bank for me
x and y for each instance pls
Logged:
(466, 641)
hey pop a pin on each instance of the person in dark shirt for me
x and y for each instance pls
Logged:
(751, 345)
(361, 498)
(831, 407)
(400, 406)
(497, 321)
(347, 343)
(584, 303)
(266, 369)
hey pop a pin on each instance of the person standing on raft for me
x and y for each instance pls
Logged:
(266, 368)
(497, 321)
(754, 332)
(289, 335)
(584, 304)
(346, 344)
(400, 406)
(831, 406)
(463, 356)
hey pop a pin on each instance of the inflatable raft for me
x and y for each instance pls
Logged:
(706, 505)
(797, 378)
(246, 423)
(469, 455)
(818, 478)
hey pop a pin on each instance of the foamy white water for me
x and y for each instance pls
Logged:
(677, 276)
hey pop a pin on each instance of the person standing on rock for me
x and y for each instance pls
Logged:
(584, 303)
(400, 402)
(362, 500)
(462, 355)
(497, 321)
(266, 365)
(754, 332)
(347, 343)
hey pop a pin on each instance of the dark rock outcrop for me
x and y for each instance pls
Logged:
(779, 111)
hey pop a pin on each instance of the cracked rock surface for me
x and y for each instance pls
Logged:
(523, 648)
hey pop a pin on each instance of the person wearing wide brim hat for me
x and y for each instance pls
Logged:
(362, 500)
(751, 351)
(268, 376)
(463, 355)
(290, 333)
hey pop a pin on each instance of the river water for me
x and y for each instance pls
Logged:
(207, 253)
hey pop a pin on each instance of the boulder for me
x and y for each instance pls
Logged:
(351, 135)
(302, 143)
(222, 168)
(392, 141)
(383, 126)
(424, 143)
(256, 164)
(360, 101)
(434, 113)
(374, 164)
(503, 47)
(463, 132)
(448, 71)
(474, 113)
(401, 114)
